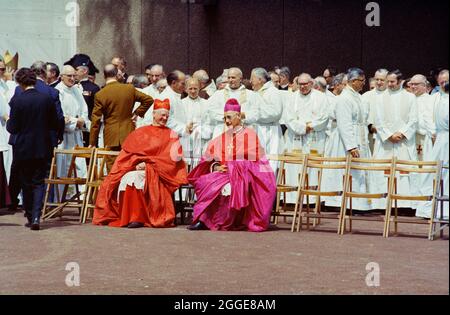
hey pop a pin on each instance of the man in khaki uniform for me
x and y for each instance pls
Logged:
(115, 103)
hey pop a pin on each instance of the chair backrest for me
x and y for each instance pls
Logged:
(99, 169)
(321, 164)
(431, 168)
(75, 154)
(285, 159)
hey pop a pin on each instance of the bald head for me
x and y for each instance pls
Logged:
(177, 81)
(305, 83)
(193, 87)
(202, 76)
(68, 70)
(418, 84)
(381, 79)
(235, 72)
(235, 78)
(110, 71)
(320, 84)
(306, 77)
(68, 76)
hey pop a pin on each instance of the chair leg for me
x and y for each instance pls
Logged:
(300, 215)
(396, 212)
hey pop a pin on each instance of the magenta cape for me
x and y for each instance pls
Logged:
(252, 180)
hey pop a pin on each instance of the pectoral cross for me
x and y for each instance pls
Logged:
(419, 149)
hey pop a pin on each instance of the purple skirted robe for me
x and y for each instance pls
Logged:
(241, 198)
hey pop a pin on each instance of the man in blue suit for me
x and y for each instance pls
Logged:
(32, 117)
(56, 134)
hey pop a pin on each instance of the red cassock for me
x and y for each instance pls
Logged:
(160, 149)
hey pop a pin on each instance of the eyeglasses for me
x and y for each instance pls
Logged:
(69, 75)
(360, 80)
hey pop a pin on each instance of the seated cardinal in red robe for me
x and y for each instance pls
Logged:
(149, 169)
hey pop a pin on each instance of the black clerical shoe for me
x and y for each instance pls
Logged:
(135, 225)
(199, 226)
(35, 225)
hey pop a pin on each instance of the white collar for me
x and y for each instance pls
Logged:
(171, 91)
(54, 82)
(242, 87)
(395, 92)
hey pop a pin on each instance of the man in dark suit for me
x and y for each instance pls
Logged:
(115, 102)
(32, 117)
(56, 134)
(53, 78)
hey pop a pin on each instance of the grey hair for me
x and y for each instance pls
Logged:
(157, 66)
(421, 77)
(140, 80)
(354, 73)
(443, 72)
(382, 71)
(161, 83)
(220, 79)
(201, 75)
(67, 68)
(160, 111)
(40, 69)
(320, 82)
(262, 73)
(307, 75)
(239, 71)
(285, 71)
(338, 79)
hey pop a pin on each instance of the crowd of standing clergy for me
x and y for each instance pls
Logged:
(334, 115)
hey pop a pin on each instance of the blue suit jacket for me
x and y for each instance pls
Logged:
(57, 133)
(32, 117)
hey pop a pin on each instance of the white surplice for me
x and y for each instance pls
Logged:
(351, 116)
(397, 112)
(5, 148)
(300, 110)
(269, 130)
(371, 99)
(74, 107)
(7, 90)
(440, 152)
(195, 143)
(426, 127)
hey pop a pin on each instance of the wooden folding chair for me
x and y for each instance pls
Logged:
(305, 190)
(411, 167)
(438, 212)
(96, 177)
(362, 165)
(52, 208)
(282, 209)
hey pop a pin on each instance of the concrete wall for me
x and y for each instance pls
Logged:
(306, 35)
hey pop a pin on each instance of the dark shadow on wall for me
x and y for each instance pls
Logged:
(107, 29)
(306, 35)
